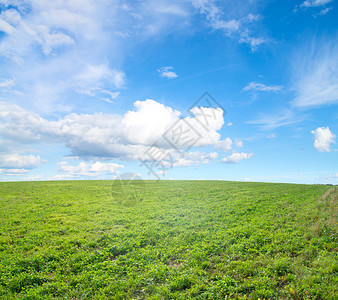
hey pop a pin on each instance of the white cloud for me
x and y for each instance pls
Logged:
(49, 41)
(16, 172)
(252, 41)
(207, 121)
(11, 16)
(97, 91)
(228, 26)
(148, 123)
(255, 86)
(315, 73)
(6, 27)
(55, 48)
(235, 28)
(224, 145)
(236, 157)
(314, 3)
(213, 155)
(112, 96)
(201, 157)
(62, 177)
(98, 74)
(168, 8)
(16, 161)
(239, 143)
(113, 136)
(274, 120)
(229, 124)
(33, 177)
(104, 167)
(190, 158)
(323, 138)
(96, 169)
(167, 73)
(324, 11)
(251, 18)
(7, 83)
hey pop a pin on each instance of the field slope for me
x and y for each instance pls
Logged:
(181, 240)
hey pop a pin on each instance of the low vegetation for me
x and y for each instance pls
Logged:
(179, 240)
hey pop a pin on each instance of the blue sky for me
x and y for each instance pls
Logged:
(95, 89)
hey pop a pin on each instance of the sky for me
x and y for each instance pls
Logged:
(189, 89)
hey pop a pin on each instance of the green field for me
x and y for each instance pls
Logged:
(181, 240)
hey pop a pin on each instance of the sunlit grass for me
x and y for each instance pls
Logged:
(181, 240)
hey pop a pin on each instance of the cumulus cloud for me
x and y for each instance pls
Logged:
(239, 143)
(255, 86)
(62, 177)
(224, 145)
(323, 138)
(201, 157)
(86, 169)
(125, 136)
(236, 157)
(167, 72)
(206, 121)
(190, 158)
(148, 122)
(17, 161)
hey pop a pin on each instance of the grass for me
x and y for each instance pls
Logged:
(184, 240)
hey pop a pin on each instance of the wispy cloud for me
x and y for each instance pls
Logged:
(256, 86)
(112, 96)
(236, 157)
(310, 4)
(275, 120)
(324, 11)
(56, 49)
(6, 27)
(315, 74)
(238, 28)
(7, 83)
(314, 3)
(167, 72)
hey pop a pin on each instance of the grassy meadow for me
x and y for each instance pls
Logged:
(179, 240)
